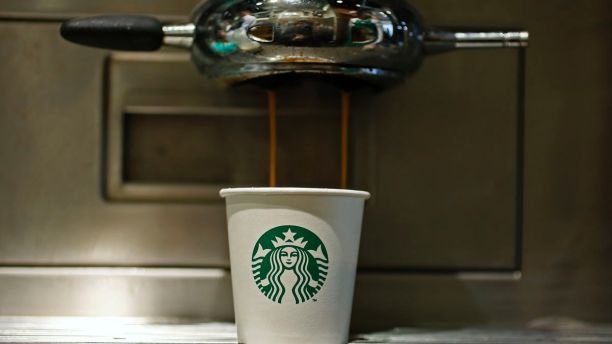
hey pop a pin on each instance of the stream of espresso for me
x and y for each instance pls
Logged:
(272, 118)
(344, 124)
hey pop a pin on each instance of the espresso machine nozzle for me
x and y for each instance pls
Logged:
(242, 41)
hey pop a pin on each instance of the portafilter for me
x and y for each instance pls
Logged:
(376, 42)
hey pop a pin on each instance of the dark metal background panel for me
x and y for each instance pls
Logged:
(445, 182)
(568, 184)
(567, 239)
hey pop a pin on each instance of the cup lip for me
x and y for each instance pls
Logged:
(293, 191)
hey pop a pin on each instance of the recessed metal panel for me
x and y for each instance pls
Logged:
(166, 145)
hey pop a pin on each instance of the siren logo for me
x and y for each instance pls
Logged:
(289, 264)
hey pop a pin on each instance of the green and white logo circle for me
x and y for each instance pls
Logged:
(289, 264)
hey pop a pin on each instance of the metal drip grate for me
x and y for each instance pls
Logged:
(173, 331)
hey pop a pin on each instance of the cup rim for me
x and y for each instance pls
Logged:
(278, 191)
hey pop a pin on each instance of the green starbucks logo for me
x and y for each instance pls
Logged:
(289, 260)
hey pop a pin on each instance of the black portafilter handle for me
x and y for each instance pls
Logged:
(130, 33)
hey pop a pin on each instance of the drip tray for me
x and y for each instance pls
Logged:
(178, 331)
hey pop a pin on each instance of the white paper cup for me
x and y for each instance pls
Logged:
(293, 254)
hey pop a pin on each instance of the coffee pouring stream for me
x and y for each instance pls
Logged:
(377, 43)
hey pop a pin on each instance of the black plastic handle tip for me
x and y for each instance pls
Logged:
(130, 33)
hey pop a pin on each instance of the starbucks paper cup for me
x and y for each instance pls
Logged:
(293, 254)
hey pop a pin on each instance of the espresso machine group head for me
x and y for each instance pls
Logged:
(242, 41)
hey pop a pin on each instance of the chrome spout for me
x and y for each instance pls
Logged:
(179, 35)
(440, 40)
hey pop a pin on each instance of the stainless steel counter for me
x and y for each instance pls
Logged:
(166, 331)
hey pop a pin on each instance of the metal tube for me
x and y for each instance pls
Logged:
(179, 35)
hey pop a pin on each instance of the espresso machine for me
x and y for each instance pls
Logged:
(489, 193)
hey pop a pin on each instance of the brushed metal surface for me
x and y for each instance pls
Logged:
(169, 330)
(87, 291)
(113, 330)
(475, 335)
(53, 212)
(381, 300)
